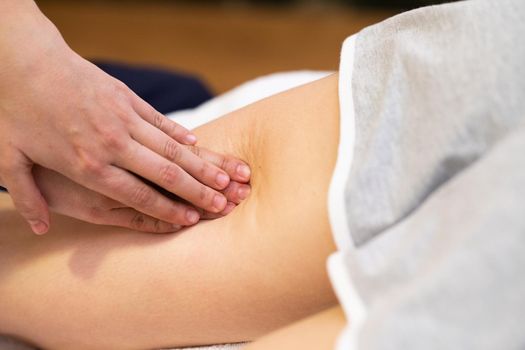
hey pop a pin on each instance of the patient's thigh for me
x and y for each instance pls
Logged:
(208, 284)
(128, 289)
(319, 331)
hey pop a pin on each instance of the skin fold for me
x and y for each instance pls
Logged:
(231, 279)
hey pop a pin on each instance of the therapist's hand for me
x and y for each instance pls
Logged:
(71, 199)
(61, 112)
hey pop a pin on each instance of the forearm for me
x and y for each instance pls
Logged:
(16, 15)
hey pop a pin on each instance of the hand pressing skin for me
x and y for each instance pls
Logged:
(62, 113)
(69, 198)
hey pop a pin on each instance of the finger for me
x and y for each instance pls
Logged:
(132, 219)
(227, 210)
(159, 120)
(236, 192)
(127, 189)
(25, 194)
(202, 170)
(235, 168)
(173, 178)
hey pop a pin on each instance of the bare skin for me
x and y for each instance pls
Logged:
(227, 280)
(316, 332)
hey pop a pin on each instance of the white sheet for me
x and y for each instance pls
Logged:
(243, 95)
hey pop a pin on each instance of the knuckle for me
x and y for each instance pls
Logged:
(169, 175)
(138, 222)
(112, 140)
(195, 150)
(89, 166)
(204, 170)
(176, 213)
(142, 196)
(173, 151)
(120, 89)
(223, 163)
(206, 195)
(124, 113)
(159, 120)
(157, 226)
(175, 130)
(202, 193)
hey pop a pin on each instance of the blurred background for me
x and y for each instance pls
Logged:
(223, 42)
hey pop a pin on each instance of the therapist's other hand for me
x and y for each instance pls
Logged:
(59, 111)
(71, 199)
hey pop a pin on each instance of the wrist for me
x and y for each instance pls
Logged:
(25, 31)
(9, 6)
(16, 15)
(29, 44)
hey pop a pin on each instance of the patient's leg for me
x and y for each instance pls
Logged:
(319, 331)
(232, 279)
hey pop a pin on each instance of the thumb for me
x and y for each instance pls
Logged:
(26, 196)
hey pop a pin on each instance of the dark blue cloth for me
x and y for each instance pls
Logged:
(166, 91)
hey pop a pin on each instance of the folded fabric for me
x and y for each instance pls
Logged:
(426, 204)
(245, 94)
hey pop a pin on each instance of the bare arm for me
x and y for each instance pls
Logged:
(228, 280)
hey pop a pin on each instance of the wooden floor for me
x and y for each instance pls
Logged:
(225, 45)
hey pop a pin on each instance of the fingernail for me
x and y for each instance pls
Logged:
(219, 202)
(244, 192)
(244, 171)
(192, 216)
(222, 179)
(39, 227)
(190, 138)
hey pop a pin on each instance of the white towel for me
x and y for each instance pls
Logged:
(243, 95)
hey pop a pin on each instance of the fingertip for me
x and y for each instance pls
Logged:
(39, 227)
(190, 139)
(243, 171)
(219, 203)
(192, 216)
(243, 192)
(222, 180)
